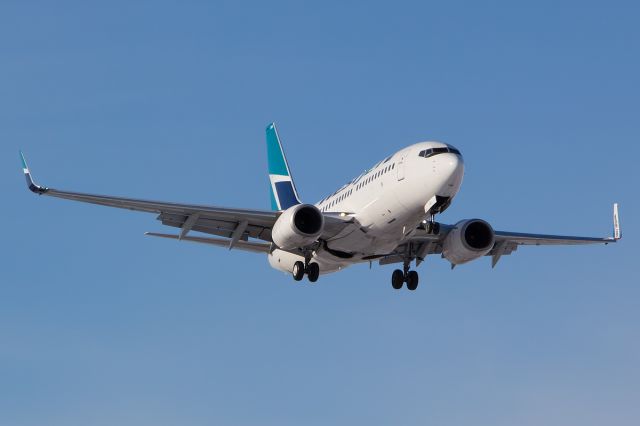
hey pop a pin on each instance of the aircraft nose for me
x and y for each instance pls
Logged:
(451, 169)
(451, 164)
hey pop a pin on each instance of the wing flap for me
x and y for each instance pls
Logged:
(251, 246)
(223, 228)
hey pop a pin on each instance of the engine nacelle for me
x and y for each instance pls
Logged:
(298, 226)
(469, 240)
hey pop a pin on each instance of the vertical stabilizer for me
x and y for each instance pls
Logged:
(283, 190)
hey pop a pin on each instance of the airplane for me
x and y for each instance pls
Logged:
(385, 214)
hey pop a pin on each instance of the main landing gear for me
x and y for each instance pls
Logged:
(312, 270)
(400, 277)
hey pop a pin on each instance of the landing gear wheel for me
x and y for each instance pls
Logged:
(313, 272)
(397, 279)
(412, 280)
(298, 271)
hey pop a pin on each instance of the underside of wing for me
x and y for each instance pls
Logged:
(548, 240)
(424, 243)
(520, 238)
(252, 246)
(237, 224)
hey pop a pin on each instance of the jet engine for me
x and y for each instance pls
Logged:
(469, 240)
(298, 226)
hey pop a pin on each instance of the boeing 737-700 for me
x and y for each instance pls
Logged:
(386, 214)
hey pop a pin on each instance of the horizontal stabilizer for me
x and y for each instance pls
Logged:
(251, 246)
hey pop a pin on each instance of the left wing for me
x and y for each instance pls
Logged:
(423, 243)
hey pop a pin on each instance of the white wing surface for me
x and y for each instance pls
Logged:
(238, 225)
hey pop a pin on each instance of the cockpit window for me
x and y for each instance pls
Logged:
(426, 153)
(454, 151)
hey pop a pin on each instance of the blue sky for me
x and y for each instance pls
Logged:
(169, 100)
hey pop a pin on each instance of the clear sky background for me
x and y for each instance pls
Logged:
(100, 325)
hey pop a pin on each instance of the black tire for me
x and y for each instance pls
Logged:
(397, 279)
(313, 272)
(298, 271)
(412, 280)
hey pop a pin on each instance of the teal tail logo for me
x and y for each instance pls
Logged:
(283, 190)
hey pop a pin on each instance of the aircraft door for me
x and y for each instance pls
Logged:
(400, 169)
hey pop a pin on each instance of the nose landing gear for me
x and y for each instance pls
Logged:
(400, 277)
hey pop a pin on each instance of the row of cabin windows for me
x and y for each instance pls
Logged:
(337, 200)
(426, 153)
(360, 185)
(376, 175)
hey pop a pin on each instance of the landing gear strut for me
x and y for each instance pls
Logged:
(431, 226)
(312, 270)
(400, 277)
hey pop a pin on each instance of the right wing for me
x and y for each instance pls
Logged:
(238, 225)
(224, 222)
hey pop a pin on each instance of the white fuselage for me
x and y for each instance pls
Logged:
(387, 204)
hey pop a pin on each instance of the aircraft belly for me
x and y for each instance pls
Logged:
(329, 263)
(283, 261)
(353, 241)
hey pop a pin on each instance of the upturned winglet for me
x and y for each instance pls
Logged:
(34, 187)
(617, 234)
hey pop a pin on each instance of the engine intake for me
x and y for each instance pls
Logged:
(469, 240)
(298, 226)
